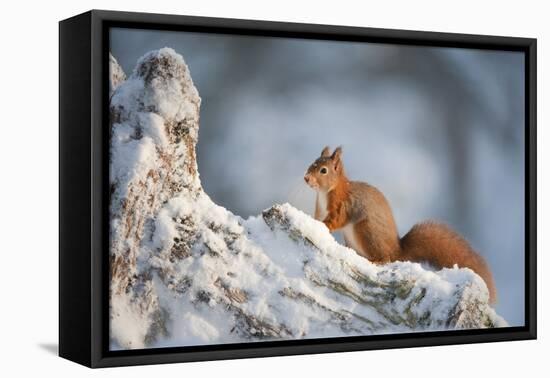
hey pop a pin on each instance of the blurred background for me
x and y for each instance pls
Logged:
(440, 131)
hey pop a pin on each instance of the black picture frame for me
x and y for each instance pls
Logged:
(84, 191)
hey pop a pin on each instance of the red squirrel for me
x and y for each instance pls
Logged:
(364, 215)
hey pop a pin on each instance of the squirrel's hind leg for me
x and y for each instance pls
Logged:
(372, 249)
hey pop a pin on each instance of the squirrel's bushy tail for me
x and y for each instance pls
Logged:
(442, 247)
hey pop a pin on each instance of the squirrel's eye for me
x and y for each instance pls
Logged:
(323, 171)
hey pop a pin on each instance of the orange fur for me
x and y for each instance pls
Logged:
(374, 233)
(441, 246)
(336, 201)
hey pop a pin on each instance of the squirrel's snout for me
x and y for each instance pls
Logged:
(310, 181)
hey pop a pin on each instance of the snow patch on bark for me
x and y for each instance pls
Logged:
(116, 74)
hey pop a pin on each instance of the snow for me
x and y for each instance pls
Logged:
(116, 74)
(186, 271)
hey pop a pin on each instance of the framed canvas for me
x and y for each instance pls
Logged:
(234, 188)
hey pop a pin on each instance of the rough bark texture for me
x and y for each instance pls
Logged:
(116, 74)
(185, 271)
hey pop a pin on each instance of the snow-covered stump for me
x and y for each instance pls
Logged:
(154, 128)
(185, 271)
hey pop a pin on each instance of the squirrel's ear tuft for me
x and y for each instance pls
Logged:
(336, 158)
(325, 152)
(337, 153)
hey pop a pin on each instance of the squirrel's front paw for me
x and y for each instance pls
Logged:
(329, 225)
